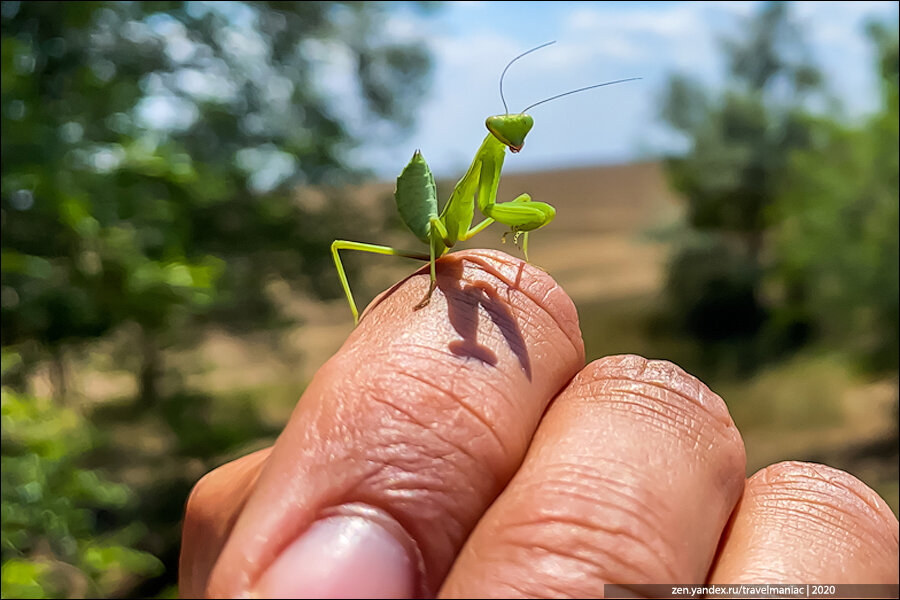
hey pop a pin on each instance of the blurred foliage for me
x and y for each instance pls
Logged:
(151, 155)
(792, 223)
(54, 543)
(835, 227)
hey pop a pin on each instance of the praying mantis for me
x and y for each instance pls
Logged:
(416, 196)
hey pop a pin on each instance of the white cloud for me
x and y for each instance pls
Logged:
(404, 25)
(668, 21)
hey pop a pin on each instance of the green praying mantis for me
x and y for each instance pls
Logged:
(416, 196)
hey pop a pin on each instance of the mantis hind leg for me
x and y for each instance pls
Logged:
(375, 249)
(427, 298)
(436, 248)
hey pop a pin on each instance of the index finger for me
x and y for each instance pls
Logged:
(411, 429)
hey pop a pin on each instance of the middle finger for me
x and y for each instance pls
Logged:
(630, 479)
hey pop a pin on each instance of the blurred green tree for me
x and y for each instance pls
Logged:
(53, 544)
(150, 155)
(740, 141)
(836, 226)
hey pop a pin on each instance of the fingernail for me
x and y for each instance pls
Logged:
(341, 557)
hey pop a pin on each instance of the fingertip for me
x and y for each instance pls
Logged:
(796, 481)
(521, 286)
(538, 285)
(666, 375)
(810, 522)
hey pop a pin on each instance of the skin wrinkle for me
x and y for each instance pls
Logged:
(827, 511)
(670, 411)
(470, 388)
(802, 522)
(634, 409)
(635, 539)
(409, 417)
(410, 448)
(614, 560)
(589, 478)
(561, 552)
(382, 457)
(554, 289)
(695, 430)
(674, 388)
(587, 498)
(820, 479)
(817, 476)
(426, 354)
(670, 390)
(668, 377)
(711, 403)
(824, 515)
(502, 393)
(531, 322)
(454, 450)
(490, 432)
(786, 570)
(581, 473)
(381, 503)
(584, 589)
(728, 433)
(428, 370)
(555, 591)
(522, 593)
(451, 390)
(377, 500)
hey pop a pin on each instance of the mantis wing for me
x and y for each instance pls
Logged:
(416, 197)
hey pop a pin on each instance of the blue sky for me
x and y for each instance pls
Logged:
(596, 42)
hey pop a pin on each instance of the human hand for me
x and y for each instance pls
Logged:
(464, 450)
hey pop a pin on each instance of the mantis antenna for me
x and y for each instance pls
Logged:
(590, 87)
(509, 64)
(584, 89)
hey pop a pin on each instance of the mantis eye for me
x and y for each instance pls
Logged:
(510, 129)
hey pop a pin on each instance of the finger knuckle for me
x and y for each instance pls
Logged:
(665, 398)
(603, 530)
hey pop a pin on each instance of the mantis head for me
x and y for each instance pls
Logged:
(510, 129)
